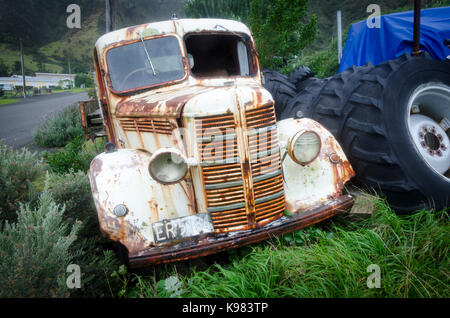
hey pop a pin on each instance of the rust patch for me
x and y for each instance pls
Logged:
(153, 104)
(121, 230)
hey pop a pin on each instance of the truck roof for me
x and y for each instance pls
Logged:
(174, 26)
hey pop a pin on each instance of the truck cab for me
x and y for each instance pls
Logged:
(197, 162)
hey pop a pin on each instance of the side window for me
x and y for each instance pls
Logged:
(217, 55)
(243, 58)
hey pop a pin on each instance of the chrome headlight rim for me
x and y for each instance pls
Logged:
(292, 144)
(164, 152)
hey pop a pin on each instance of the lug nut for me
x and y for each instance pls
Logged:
(439, 153)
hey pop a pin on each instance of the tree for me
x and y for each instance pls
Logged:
(280, 29)
(83, 79)
(17, 68)
(4, 70)
(227, 9)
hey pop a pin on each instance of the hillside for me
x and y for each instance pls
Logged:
(63, 46)
(51, 47)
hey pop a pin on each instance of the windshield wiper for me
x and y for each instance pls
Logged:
(146, 53)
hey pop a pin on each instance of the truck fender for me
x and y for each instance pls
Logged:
(322, 179)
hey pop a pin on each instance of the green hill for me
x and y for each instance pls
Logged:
(51, 47)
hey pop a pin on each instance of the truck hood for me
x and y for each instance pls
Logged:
(199, 100)
(159, 104)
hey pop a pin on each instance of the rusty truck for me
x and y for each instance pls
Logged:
(196, 161)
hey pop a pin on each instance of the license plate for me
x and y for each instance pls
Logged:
(179, 228)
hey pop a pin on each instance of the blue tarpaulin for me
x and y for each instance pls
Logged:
(394, 37)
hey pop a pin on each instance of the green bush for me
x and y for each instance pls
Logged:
(323, 63)
(85, 79)
(57, 131)
(92, 93)
(74, 191)
(18, 170)
(97, 264)
(35, 251)
(74, 157)
(281, 29)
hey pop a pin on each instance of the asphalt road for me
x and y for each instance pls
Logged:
(20, 121)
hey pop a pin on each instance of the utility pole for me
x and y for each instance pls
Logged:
(339, 35)
(416, 34)
(110, 6)
(24, 87)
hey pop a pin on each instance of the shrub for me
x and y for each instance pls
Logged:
(85, 79)
(35, 251)
(97, 264)
(74, 157)
(323, 63)
(57, 131)
(18, 170)
(92, 93)
(281, 29)
(74, 191)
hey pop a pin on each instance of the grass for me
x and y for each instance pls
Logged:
(7, 101)
(74, 90)
(411, 252)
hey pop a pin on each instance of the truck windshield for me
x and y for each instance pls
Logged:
(129, 67)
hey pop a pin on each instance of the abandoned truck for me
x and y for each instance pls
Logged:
(196, 161)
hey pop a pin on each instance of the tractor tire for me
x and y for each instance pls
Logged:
(392, 121)
(298, 75)
(281, 89)
(301, 105)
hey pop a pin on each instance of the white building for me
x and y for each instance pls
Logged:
(41, 80)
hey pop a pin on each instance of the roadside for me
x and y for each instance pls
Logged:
(10, 98)
(20, 121)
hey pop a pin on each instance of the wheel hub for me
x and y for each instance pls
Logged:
(431, 141)
(429, 109)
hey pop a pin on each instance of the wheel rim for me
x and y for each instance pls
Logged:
(429, 126)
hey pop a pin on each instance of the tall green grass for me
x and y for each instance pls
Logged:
(411, 252)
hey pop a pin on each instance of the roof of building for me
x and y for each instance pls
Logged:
(53, 74)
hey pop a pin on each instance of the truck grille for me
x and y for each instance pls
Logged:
(146, 125)
(222, 173)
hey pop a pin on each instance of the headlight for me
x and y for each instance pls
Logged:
(304, 147)
(168, 166)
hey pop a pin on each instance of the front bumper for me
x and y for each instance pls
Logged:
(214, 243)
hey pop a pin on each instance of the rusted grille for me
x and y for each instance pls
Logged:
(265, 161)
(146, 125)
(260, 117)
(222, 170)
